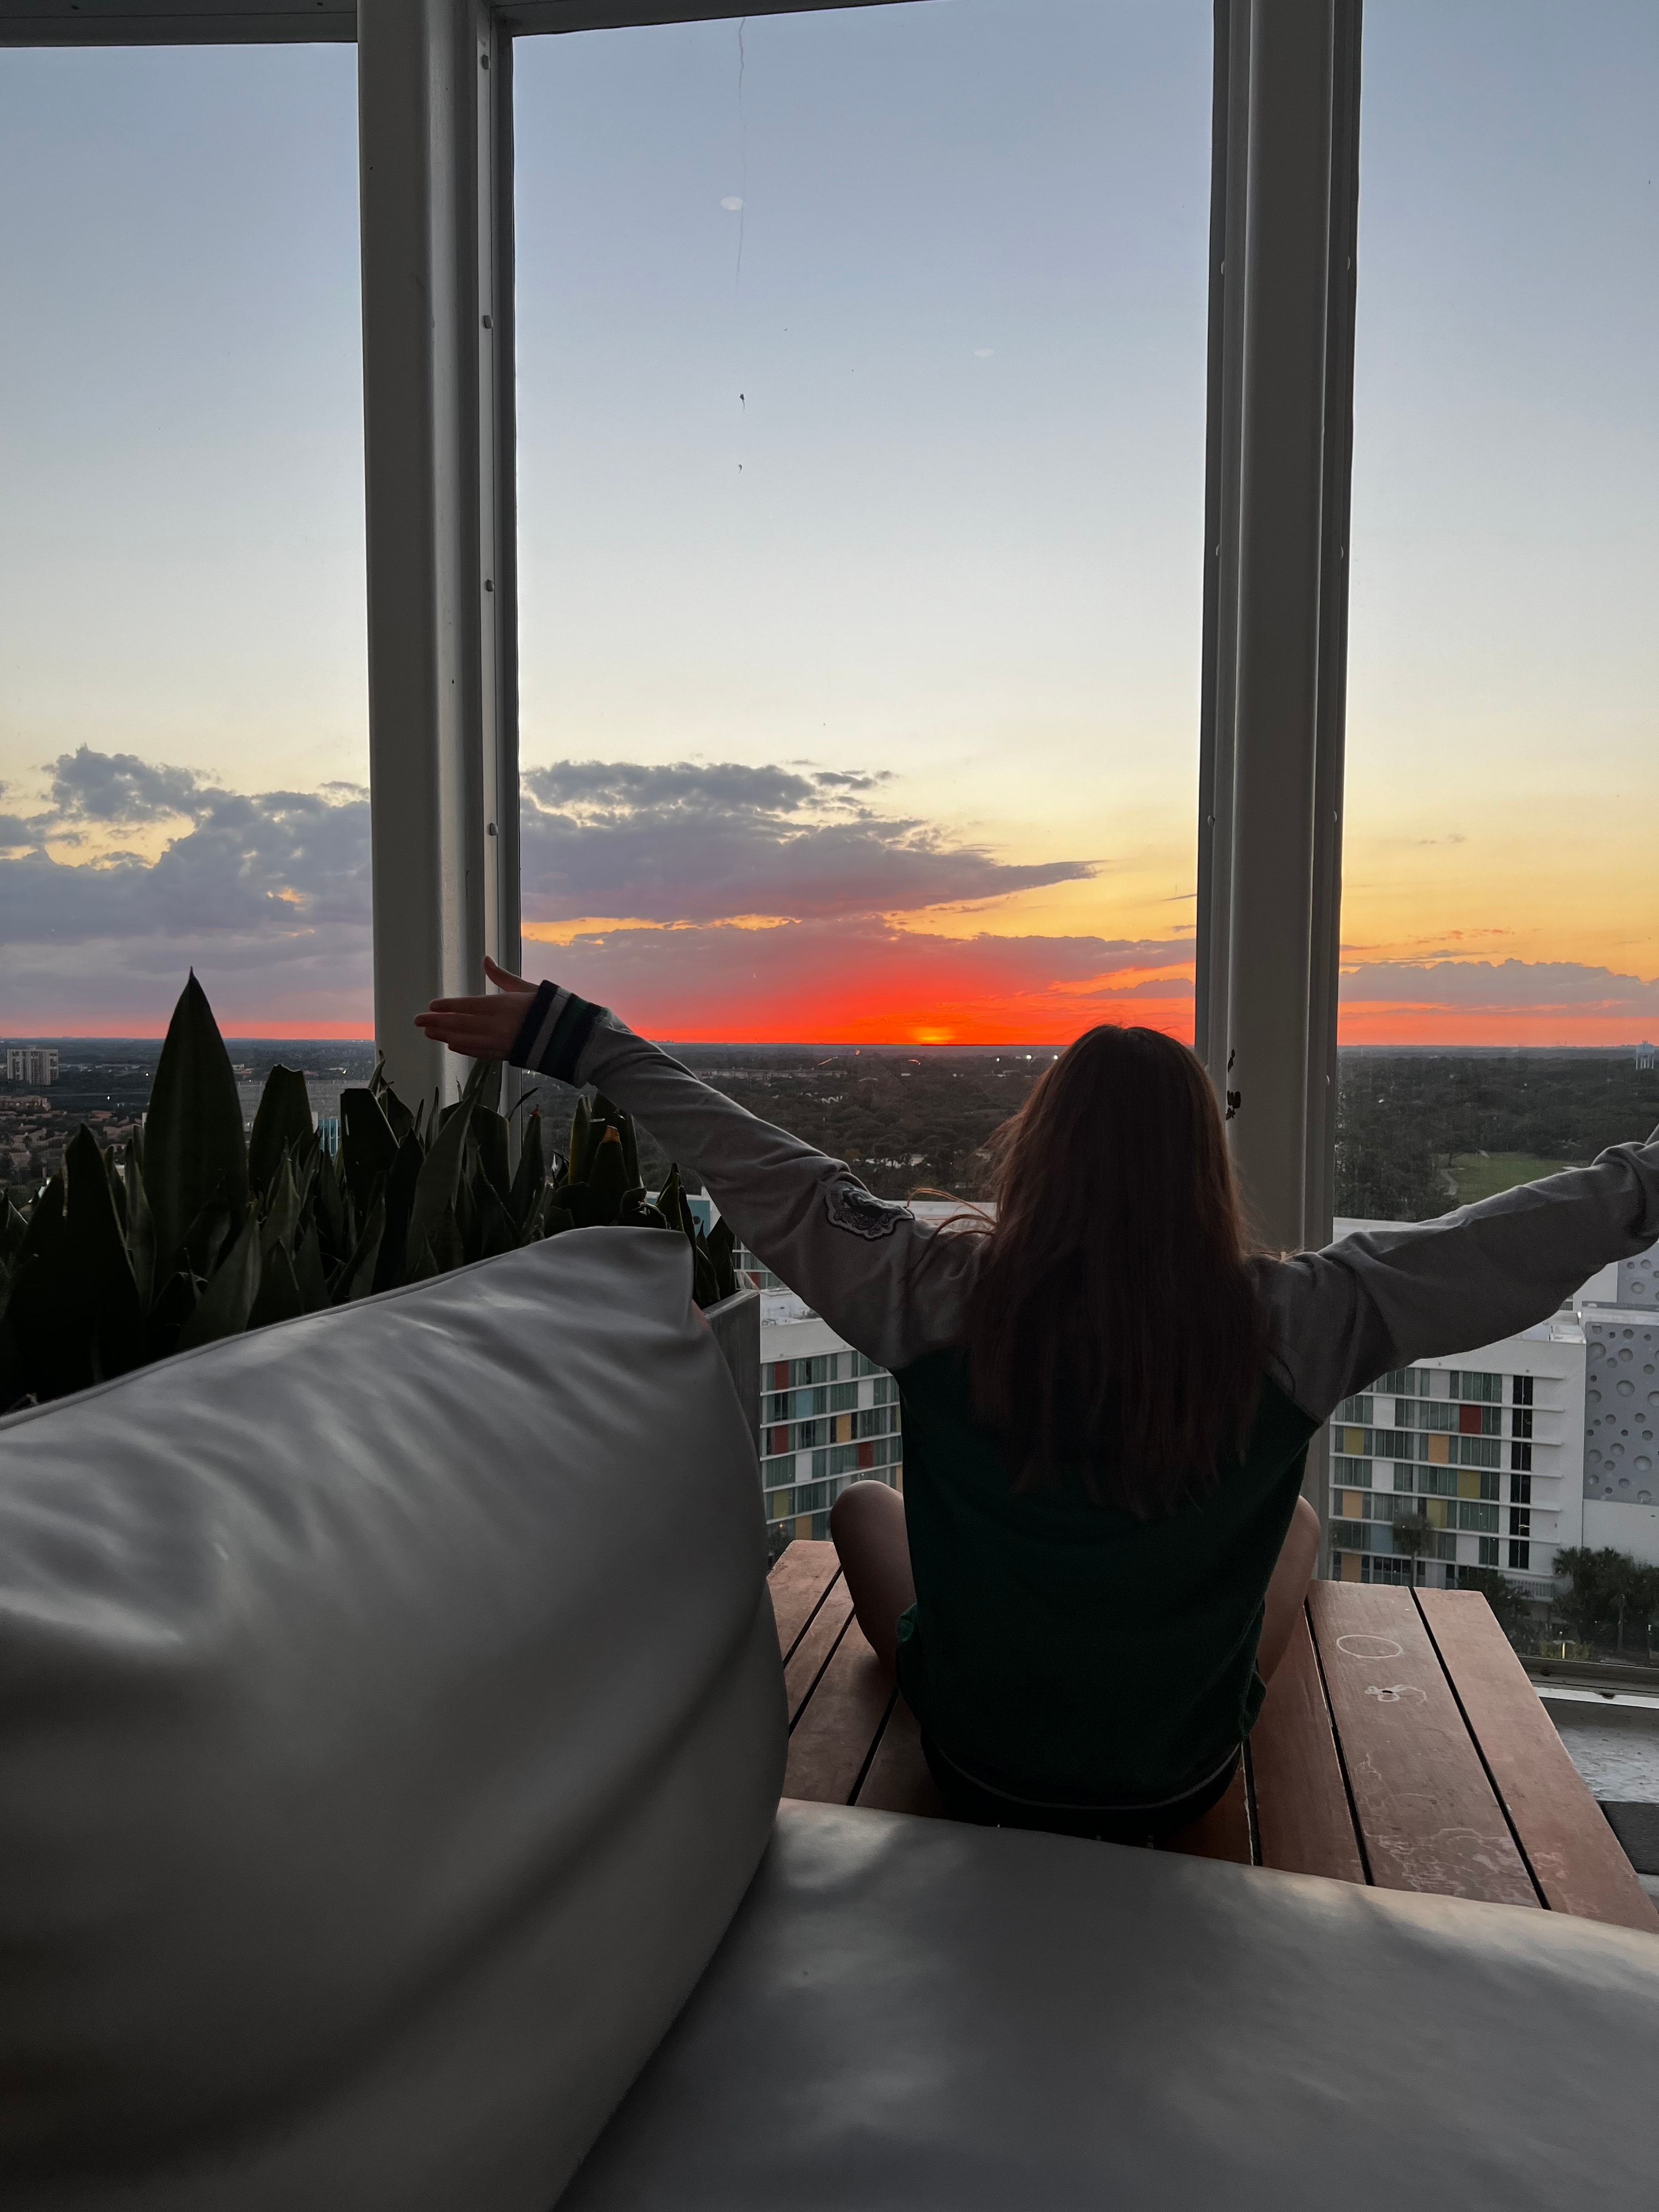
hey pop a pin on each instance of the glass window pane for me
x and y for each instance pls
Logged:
(1500, 927)
(183, 720)
(861, 407)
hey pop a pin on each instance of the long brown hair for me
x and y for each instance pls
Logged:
(1113, 1327)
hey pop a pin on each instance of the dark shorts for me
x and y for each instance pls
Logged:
(1124, 1820)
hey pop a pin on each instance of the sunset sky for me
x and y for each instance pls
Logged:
(862, 442)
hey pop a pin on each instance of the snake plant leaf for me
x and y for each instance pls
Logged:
(228, 1298)
(282, 1124)
(425, 1266)
(532, 1171)
(170, 1309)
(194, 1150)
(435, 1185)
(489, 1144)
(46, 1223)
(467, 1219)
(367, 1146)
(722, 1246)
(308, 1271)
(206, 1238)
(398, 1117)
(438, 1251)
(281, 1226)
(280, 1296)
(98, 1280)
(444, 1245)
(583, 1138)
(483, 1085)
(671, 1199)
(141, 1229)
(54, 1341)
(399, 1202)
(328, 1207)
(357, 1277)
(705, 1289)
(624, 1128)
(118, 1189)
(13, 1226)
(608, 1176)
(496, 1230)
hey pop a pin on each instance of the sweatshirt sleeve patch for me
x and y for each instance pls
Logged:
(860, 1213)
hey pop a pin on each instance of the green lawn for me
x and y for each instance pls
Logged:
(1481, 1175)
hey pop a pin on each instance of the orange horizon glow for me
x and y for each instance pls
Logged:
(1051, 1017)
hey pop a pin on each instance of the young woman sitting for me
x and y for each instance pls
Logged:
(1108, 1397)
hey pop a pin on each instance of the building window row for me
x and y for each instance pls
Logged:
(1408, 1445)
(1439, 1416)
(1474, 1386)
(1474, 1514)
(834, 1429)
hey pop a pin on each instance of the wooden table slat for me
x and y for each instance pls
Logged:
(838, 1726)
(1224, 1833)
(898, 1780)
(1427, 1812)
(812, 1654)
(801, 1575)
(1303, 1821)
(1573, 1853)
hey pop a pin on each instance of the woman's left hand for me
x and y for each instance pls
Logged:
(484, 1028)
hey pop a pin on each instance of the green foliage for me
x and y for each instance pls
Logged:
(1417, 1133)
(1612, 1596)
(1413, 1536)
(195, 1234)
(1511, 1607)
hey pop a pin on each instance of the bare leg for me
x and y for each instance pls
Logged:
(1297, 1558)
(867, 1523)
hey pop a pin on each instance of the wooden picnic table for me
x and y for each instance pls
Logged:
(1402, 1744)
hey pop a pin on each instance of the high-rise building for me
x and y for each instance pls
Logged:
(31, 1063)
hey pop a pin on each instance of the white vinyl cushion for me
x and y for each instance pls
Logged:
(391, 1719)
(910, 2015)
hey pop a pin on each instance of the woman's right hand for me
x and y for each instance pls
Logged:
(484, 1028)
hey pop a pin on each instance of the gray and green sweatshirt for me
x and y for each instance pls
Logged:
(1059, 1649)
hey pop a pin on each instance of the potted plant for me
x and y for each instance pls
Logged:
(197, 1231)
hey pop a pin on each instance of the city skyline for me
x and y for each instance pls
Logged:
(859, 560)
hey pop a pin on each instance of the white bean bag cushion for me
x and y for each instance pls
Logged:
(391, 1719)
(908, 2015)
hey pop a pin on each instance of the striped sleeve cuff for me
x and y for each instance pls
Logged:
(557, 1027)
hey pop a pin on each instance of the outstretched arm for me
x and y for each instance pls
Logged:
(883, 1280)
(1383, 1297)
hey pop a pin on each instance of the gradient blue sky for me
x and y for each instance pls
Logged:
(956, 573)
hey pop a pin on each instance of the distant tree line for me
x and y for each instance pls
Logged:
(1613, 1600)
(1403, 1117)
(909, 1122)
